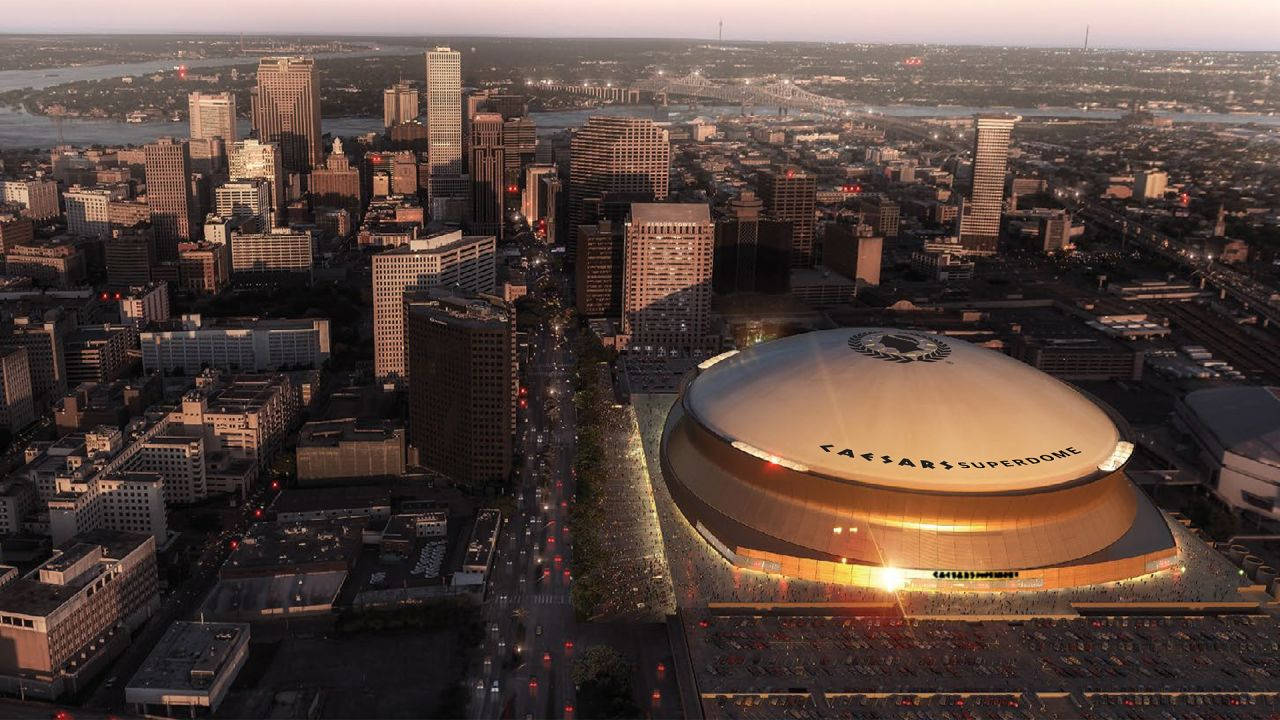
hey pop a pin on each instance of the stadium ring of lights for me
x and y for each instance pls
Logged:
(906, 460)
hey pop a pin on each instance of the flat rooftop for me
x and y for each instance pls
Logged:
(331, 433)
(269, 547)
(190, 656)
(670, 213)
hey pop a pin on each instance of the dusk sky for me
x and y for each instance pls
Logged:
(1191, 24)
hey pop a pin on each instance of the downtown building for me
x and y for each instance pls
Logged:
(17, 406)
(237, 345)
(615, 156)
(753, 250)
(212, 119)
(399, 105)
(980, 216)
(248, 202)
(461, 351)
(446, 260)
(666, 279)
(598, 270)
(67, 619)
(790, 195)
(88, 210)
(250, 159)
(444, 125)
(174, 214)
(337, 184)
(279, 256)
(38, 197)
(44, 338)
(286, 110)
(488, 175)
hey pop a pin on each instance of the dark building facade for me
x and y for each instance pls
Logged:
(598, 269)
(791, 194)
(488, 175)
(461, 353)
(753, 252)
(172, 203)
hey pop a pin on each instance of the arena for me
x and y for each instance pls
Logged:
(903, 460)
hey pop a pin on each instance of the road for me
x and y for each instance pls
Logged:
(530, 634)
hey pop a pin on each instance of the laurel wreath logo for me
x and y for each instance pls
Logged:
(899, 346)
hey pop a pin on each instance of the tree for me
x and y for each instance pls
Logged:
(602, 677)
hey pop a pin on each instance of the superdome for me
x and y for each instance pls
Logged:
(834, 453)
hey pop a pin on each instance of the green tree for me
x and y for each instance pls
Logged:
(602, 677)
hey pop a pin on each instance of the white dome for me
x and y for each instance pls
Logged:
(903, 409)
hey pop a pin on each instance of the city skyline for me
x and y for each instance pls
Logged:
(1239, 25)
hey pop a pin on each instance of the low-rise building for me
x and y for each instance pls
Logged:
(349, 448)
(192, 667)
(145, 304)
(60, 264)
(237, 344)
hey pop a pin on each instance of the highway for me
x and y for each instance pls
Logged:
(526, 668)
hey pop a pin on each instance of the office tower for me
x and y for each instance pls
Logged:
(266, 258)
(1150, 184)
(753, 252)
(666, 278)
(399, 104)
(337, 184)
(980, 217)
(286, 110)
(442, 260)
(391, 173)
(248, 201)
(410, 136)
(249, 344)
(853, 251)
(1055, 231)
(58, 264)
(15, 230)
(173, 206)
(251, 159)
(533, 202)
(444, 123)
(142, 305)
(205, 267)
(130, 254)
(790, 194)
(488, 176)
(598, 270)
(88, 210)
(461, 352)
(882, 214)
(44, 339)
(96, 353)
(212, 119)
(520, 141)
(38, 197)
(17, 409)
(615, 155)
(128, 213)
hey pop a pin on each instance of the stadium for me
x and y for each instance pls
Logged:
(904, 460)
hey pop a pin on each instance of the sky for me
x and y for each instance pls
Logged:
(1162, 24)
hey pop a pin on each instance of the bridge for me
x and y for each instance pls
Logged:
(780, 93)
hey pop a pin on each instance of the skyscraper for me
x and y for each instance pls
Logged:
(488, 177)
(212, 115)
(752, 251)
(444, 123)
(615, 155)
(666, 279)
(286, 110)
(213, 128)
(467, 262)
(598, 270)
(520, 141)
(461, 352)
(250, 159)
(980, 218)
(790, 194)
(173, 207)
(249, 201)
(399, 104)
(337, 184)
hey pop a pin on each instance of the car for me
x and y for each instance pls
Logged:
(494, 687)
(538, 631)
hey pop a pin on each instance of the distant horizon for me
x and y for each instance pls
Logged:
(637, 38)
(1138, 25)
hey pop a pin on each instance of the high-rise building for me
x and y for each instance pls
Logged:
(391, 173)
(96, 353)
(174, 215)
(37, 196)
(248, 201)
(461, 352)
(533, 204)
(449, 259)
(399, 104)
(1150, 184)
(666, 279)
(854, 251)
(44, 339)
(598, 270)
(237, 344)
(205, 267)
(15, 230)
(488, 175)
(615, 155)
(17, 408)
(130, 254)
(444, 123)
(790, 194)
(520, 142)
(980, 217)
(1055, 231)
(213, 128)
(752, 251)
(250, 159)
(88, 210)
(286, 110)
(882, 214)
(337, 184)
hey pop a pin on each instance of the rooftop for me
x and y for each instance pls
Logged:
(190, 656)
(670, 213)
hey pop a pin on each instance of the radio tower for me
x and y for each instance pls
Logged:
(1086, 38)
(720, 32)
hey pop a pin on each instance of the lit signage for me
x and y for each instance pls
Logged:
(934, 464)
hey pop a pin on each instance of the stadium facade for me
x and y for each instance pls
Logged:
(900, 459)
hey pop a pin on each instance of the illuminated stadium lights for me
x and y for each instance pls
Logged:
(1118, 458)
(769, 457)
(891, 579)
(706, 364)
